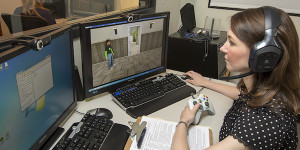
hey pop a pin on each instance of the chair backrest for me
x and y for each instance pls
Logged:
(18, 23)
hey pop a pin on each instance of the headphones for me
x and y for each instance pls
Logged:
(265, 54)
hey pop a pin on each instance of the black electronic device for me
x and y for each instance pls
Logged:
(37, 91)
(139, 51)
(94, 132)
(102, 112)
(188, 18)
(197, 54)
(78, 85)
(186, 77)
(130, 17)
(265, 55)
(57, 7)
(150, 95)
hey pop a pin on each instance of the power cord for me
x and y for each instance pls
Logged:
(179, 75)
(79, 112)
(193, 94)
(197, 93)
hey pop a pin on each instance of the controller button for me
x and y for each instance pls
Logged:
(194, 102)
(206, 103)
(201, 107)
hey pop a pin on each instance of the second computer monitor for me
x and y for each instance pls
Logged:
(119, 51)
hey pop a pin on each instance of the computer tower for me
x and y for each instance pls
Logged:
(204, 57)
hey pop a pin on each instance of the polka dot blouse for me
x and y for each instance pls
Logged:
(260, 128)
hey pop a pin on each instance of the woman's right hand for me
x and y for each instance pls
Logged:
(197, 79)
(188, 115)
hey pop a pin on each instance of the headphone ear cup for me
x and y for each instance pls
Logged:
(265, 55)
(264, 59)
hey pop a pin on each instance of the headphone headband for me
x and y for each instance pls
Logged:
(271, 17)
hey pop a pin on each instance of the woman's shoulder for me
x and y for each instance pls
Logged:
(274, 112)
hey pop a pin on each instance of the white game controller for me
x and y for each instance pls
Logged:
(205, 105)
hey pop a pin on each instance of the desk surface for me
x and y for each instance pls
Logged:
(220, 102)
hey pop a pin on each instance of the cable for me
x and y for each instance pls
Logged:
(196, 37)
(179, 75)
(206, 51)
(197, 93)
(236, 76)
(193, 94)
(79, 112)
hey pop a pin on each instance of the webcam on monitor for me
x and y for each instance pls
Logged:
(131, 17)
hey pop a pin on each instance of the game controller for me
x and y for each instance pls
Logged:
(205, 105)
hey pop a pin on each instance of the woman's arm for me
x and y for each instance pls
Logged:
(179, 141)
(228, 143)
(199, 80)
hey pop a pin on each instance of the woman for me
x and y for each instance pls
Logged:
(263, 115)
(36, 8)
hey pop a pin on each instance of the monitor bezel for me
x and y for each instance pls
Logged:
(85, 39)
(18, 50)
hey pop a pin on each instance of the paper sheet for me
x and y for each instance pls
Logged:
(159, 135)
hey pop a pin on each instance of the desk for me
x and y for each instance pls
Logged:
(220, 102)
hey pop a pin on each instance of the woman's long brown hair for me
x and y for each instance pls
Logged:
(29, 7)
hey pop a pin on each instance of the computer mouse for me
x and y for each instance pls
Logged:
(102, 112)
(186, 77)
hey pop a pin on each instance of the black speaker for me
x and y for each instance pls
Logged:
(78, 86)
(188, 17)
(265, 54)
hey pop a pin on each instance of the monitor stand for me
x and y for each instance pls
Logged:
(47, 145)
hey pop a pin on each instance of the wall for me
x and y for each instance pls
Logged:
(123, 4)
(173, 6)
(8, 6)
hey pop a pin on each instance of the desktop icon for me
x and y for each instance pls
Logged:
(5, 65)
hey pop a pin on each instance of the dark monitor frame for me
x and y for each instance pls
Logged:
(85, 39)
(17, 50)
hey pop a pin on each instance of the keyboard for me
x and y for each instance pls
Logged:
(147, 96)
(94, 133)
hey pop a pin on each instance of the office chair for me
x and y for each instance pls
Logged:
(18, 23)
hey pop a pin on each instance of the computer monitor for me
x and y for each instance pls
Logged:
(139, 48)
(37, 91)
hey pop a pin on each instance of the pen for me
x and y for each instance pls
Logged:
(139, 143)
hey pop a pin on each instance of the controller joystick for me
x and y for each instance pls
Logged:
(205, 105)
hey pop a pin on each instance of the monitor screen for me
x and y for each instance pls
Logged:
(36, 92)
(119, 51)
